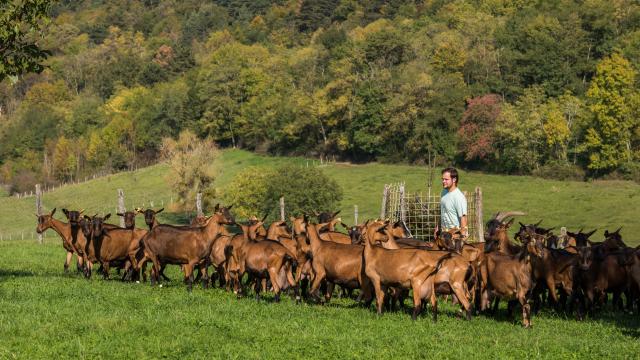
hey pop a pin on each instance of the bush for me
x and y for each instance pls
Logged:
(630, 171)
(257, 190)
(559, 171)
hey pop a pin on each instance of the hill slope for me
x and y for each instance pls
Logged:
(601, 205)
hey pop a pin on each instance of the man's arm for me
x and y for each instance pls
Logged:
(463, 226)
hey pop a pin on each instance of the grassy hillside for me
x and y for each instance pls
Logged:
(600, 204)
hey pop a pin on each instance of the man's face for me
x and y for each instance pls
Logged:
(447, 182)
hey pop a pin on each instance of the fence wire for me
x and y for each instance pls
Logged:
(421, 212)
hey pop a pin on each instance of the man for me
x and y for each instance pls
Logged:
(453, 204)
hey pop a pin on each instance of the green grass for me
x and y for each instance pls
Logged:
(46, 314)
(593, 205)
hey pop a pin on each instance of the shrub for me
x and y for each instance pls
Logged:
(257, 190)
(560, 171)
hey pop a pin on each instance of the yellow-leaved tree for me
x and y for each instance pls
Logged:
(192, 168)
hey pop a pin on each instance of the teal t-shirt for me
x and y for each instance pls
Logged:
(453, 205)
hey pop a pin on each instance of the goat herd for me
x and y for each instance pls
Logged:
(570, 273)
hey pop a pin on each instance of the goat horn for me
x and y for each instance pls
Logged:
(617, 231)
(81, 211)
(538, 223)
(500, 216)
(264, 217)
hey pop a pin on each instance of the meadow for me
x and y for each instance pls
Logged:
(590, 205)
(45, 313)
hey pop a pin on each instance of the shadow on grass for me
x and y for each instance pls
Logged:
(5, 274)
(629, 324)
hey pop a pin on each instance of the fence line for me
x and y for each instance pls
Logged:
(77, 181)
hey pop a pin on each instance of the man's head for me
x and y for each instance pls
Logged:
(450, 178)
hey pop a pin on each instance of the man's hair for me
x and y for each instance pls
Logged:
(453, 173)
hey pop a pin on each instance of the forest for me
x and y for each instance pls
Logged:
(548, 88)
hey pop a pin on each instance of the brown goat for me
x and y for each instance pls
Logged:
(262, 259)
(401, 268)
(47, 221)
(511, 276)
(187, 246)
(114, 245)
(340, 264)
(453, 277)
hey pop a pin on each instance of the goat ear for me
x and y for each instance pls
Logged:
(87, 217)
(120, 214)
(159, 211)
(65, 211)
(229, 207)
(521, 224)
(606, 233)
(106, 216)
(216, 208)
(508, 224)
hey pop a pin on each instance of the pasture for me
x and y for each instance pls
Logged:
(593, 205)
(45, 313)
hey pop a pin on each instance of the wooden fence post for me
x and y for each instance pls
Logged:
(479, 215)
(39, 207)
(403, 212)
(355, 215)
(121, 208)
(385, 197)
(282, 208)
(199, 204)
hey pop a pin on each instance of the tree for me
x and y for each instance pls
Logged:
(64, 159)
(21, 23)
(613, 99)
(191, 160)
(477, 128)
(520, 135)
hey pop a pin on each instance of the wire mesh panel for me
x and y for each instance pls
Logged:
(421, 212)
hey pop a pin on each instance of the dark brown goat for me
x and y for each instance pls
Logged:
(511, 276)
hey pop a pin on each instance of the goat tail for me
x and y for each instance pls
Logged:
(228, 251)
(439, 264)
(292, 260)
